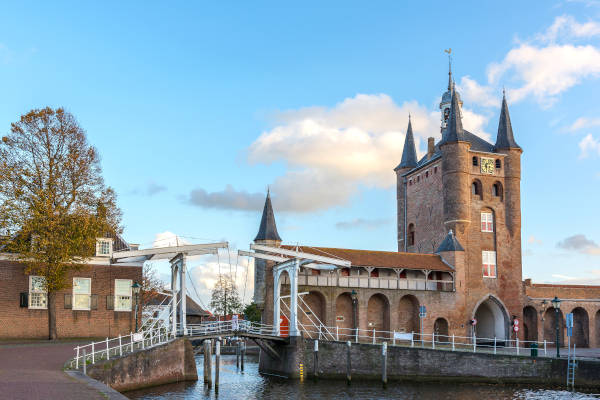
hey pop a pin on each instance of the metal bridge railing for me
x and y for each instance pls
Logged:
(428, 340)
(119, 346)
(230, 327)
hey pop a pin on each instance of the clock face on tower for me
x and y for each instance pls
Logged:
(487, 166)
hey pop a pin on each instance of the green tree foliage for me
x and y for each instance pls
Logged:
(225, 299)
(53, 199)
(252, 313)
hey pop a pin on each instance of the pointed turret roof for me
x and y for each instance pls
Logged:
(454, 131)
(505, 138)
(409, 153)
(268, 228)
(450, 243)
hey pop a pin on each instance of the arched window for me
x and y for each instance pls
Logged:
(498, 164)
(497, 191)
(487, 220)
(411, 234)
(475, 161)
(476, 188)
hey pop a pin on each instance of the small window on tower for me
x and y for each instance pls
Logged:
(488, 259)
(426, 174)
(487, 221)
(497, 190)
(411, 234)
(435, 170)
(475, 162)
(419, 178)
(476, 188)
(498, 164)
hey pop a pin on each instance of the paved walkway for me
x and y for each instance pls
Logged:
(31, 371)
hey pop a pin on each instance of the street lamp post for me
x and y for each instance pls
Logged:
(556, 305)
(136, 292)
(354, 311)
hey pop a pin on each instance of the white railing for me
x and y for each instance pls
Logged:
(430, 340)
(354, 281)
(119, 346)
(230, 327)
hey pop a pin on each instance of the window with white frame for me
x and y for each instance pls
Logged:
(488, 259)
(122, 294)
(82, 293)
(38, 295)
(103, 247)
(487, 221)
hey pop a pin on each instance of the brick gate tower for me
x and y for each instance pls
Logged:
(470, 187)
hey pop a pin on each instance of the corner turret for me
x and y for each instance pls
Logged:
(505, 139)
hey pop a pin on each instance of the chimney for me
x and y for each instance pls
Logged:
(430, 147)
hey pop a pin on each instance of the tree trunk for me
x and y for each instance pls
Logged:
(52, 316)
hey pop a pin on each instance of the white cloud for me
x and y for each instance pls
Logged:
(332, 152)
(566, 27)
(533, 240)
(545, 72)
(581, 244)
(582, 123)
(362, 223)
(168, 239)
(589, 146)
(474, 93)
(592, 279)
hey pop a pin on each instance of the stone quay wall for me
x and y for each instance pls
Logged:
(169, 363)
(406, 363)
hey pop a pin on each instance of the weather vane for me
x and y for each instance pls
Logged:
(449, 52)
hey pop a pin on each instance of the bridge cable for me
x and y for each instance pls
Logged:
(197, 295)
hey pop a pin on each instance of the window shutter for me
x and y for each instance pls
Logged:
(110, 302)
(94, 302)
(68, 299)
(24, 299)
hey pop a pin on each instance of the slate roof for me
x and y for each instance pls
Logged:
(268, 228)
(379, 259)
(505, 138)
(450, 243)
(409, 152)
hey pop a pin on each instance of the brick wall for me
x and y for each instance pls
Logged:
(22, 322)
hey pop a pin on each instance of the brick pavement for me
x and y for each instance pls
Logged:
(31, 371)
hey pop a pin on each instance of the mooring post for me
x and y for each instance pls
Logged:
(131, 340)
(348, 364)
(237, 355)
(374, 335)
(384, 364)
(107, 350)
(84, 362)
(394, 338)
(243, 354)
(433, 340)
(517, 342)
(337, 333)
(93, 356)
(120, 347)
(412, 339)
(474, 343)
(207, 363)
(495, 345)
(453, 342)
(316, 360)
(544, 346)
(217, 362)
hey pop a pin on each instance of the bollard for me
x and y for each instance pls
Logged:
(243, 354)
(301, 372)
(207, 363)
(348, 364)
(237, 355)
(84, 362)
(217, 363)
(316, 361)
(384, 364)
(107, 350)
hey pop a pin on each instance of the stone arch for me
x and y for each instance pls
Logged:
(344, 318)
(477, 189)
(440, 327)
(492, 319)
(378, 315)
(550, 327)
(530, 324)
(581, 327)
(408, 314)
(312, 311)
(497, 191)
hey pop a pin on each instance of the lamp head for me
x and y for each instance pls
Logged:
(556, 303)
(136, 288)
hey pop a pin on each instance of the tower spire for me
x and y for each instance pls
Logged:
(268, 228)
(409, 152)
(454, 131)
(505, 138)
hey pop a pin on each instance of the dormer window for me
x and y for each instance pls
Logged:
(104, 247)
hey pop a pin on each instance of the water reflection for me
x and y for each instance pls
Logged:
(251, 385)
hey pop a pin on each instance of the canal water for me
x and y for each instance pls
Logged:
(251, 385)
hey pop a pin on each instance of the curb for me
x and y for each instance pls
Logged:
(106, 390)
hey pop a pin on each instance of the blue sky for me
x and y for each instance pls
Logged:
(197, 108)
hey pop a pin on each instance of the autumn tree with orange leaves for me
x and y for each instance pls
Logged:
(53, 200)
